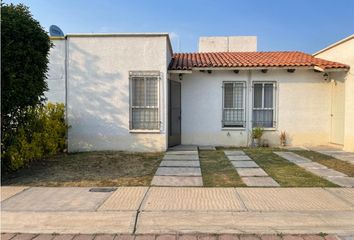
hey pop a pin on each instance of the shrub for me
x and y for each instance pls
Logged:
(257, 133)
(43, 134)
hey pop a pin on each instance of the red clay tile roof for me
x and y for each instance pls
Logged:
(187, 61)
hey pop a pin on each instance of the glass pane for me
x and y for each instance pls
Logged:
(268, 95)
(151, 92)
(263, 118)
(233, 118)
(238, 102)
(257, 95)
(228, 95)
(138, 91)
(145, 118)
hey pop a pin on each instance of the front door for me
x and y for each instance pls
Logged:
(174, 124)
(337, 113)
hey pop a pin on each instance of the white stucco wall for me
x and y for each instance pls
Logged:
(303, 107)
(98, 91)
(344, 53)
(56, 73)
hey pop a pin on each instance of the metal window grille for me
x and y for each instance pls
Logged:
(263, 105)
(233, 104)
(144, 101)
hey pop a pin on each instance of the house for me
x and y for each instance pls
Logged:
(131, 92)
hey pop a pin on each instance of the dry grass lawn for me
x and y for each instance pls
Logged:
(89, 169)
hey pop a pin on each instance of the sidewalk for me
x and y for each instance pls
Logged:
(162, 210)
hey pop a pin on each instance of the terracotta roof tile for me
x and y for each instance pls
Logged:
(187, 61)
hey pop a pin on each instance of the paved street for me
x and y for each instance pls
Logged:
(161, 210)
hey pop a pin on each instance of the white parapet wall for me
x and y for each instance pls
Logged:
(228, 44)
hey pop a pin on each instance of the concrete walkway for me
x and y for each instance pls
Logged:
(179, 167)
(157, 210)
(331, 175)
(251, 174)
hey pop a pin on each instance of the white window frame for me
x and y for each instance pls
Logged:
(243, 105)
(274, 108)
(144, 74)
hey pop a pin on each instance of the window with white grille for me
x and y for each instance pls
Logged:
(144, 101)
(263, 104)
(233, 104)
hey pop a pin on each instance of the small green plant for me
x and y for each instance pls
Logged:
(257, 133)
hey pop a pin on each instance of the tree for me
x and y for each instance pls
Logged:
(25, 48)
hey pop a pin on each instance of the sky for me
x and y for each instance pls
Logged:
(302, 25)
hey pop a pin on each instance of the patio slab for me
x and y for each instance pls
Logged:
(55, 199)
(181, 153)
(251, 172)
(124, 198)
(244, 164)
(178, 171)
(293, 157)
(326, 172)
(183, 148)
(312, 165)
(234, 152)
(177, 181)
(68, 222)
(208, 148)
(291, 199)
(192, 199)
(260, 182)
(239, 158)
(342, 181)
(180, 163)
(181, 157)
(9, 191)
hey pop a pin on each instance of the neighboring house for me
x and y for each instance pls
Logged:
(130, 92)
(342, 118)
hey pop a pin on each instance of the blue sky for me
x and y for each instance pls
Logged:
(304, 25)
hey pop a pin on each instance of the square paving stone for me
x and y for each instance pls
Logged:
(291, 199)
(177, 181)
(209, 148)
(195, 199)
(312, 165)
(181, 157)
(260, 182)
(342, 181)
(239, 158)
(178, 171)
(184, 148)
(234, 153)
(182, 153)
(244, 164)
(293, 157)
(251, 172)
(326, 172)
(55, 199)
(180, 163)
(124, 198)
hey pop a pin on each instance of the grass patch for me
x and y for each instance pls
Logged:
(102, 169)
(328, 161)
(286, 173)
(217, 170)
